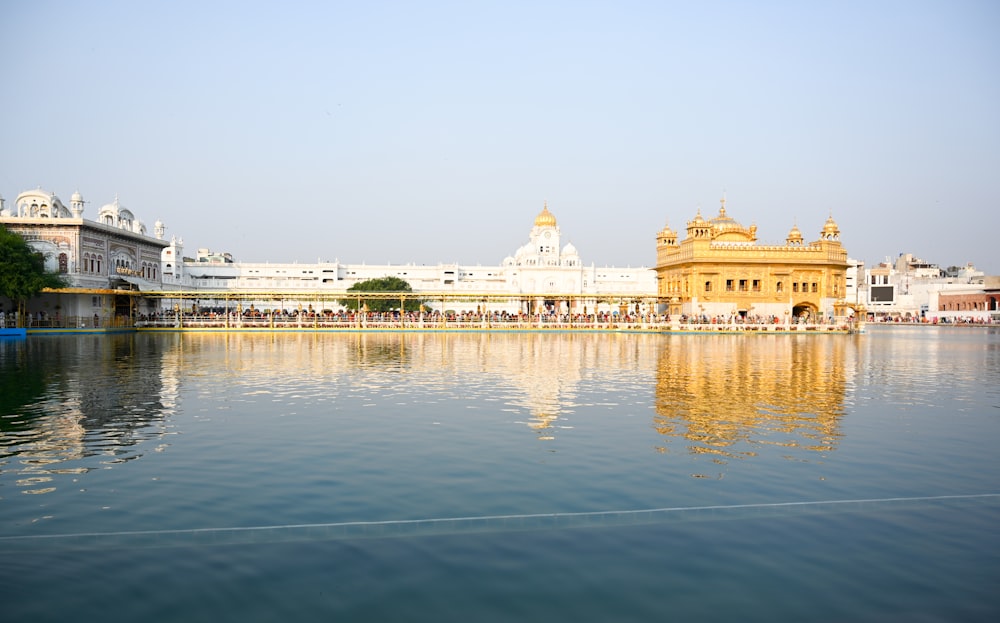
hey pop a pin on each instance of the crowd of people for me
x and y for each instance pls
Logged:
(252, 317)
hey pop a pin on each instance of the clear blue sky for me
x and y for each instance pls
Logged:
(434, 131)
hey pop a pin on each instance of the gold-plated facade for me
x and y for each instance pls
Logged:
(720, 270)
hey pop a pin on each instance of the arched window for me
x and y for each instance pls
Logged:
(63, 263)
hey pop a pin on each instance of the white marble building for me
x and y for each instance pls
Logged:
(543, 274)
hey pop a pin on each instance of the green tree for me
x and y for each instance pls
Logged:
(22, 271)
(382, 303)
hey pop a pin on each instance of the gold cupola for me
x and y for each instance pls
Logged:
(667, 236)
(794, 236)
(830, 230)
(545, 218)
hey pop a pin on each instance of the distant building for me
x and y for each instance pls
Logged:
(911, 289)
(975, 304)
(979, 304)
(719, 269)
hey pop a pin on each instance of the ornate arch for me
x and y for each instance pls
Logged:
(805, 309)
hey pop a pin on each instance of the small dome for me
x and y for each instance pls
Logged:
(794, 235)
(569, 249)
(114, 207)
(77, 197)
(830, 227)
(545, 218)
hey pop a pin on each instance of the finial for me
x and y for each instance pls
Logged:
(722, 210)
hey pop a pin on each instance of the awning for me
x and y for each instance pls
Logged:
(143, 285)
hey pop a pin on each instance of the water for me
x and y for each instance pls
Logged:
(501, 477)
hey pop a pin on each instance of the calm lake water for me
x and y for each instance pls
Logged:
(553, 477)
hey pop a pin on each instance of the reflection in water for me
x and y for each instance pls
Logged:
(331, 473)
(729, 396)
(912, 365)
(72, 398)
(90, 401)
(537, 378)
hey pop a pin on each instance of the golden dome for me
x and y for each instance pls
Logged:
(723, 220)
(545, 218)
(830, 227)
(794, 235)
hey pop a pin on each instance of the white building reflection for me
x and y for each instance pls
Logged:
(76, 404)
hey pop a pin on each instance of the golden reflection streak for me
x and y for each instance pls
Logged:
(727, 396)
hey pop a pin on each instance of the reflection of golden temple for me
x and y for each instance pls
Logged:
(733, 398)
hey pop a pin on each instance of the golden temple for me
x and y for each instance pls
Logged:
(720, 270)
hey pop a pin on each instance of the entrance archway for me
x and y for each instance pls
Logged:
(804, 310)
